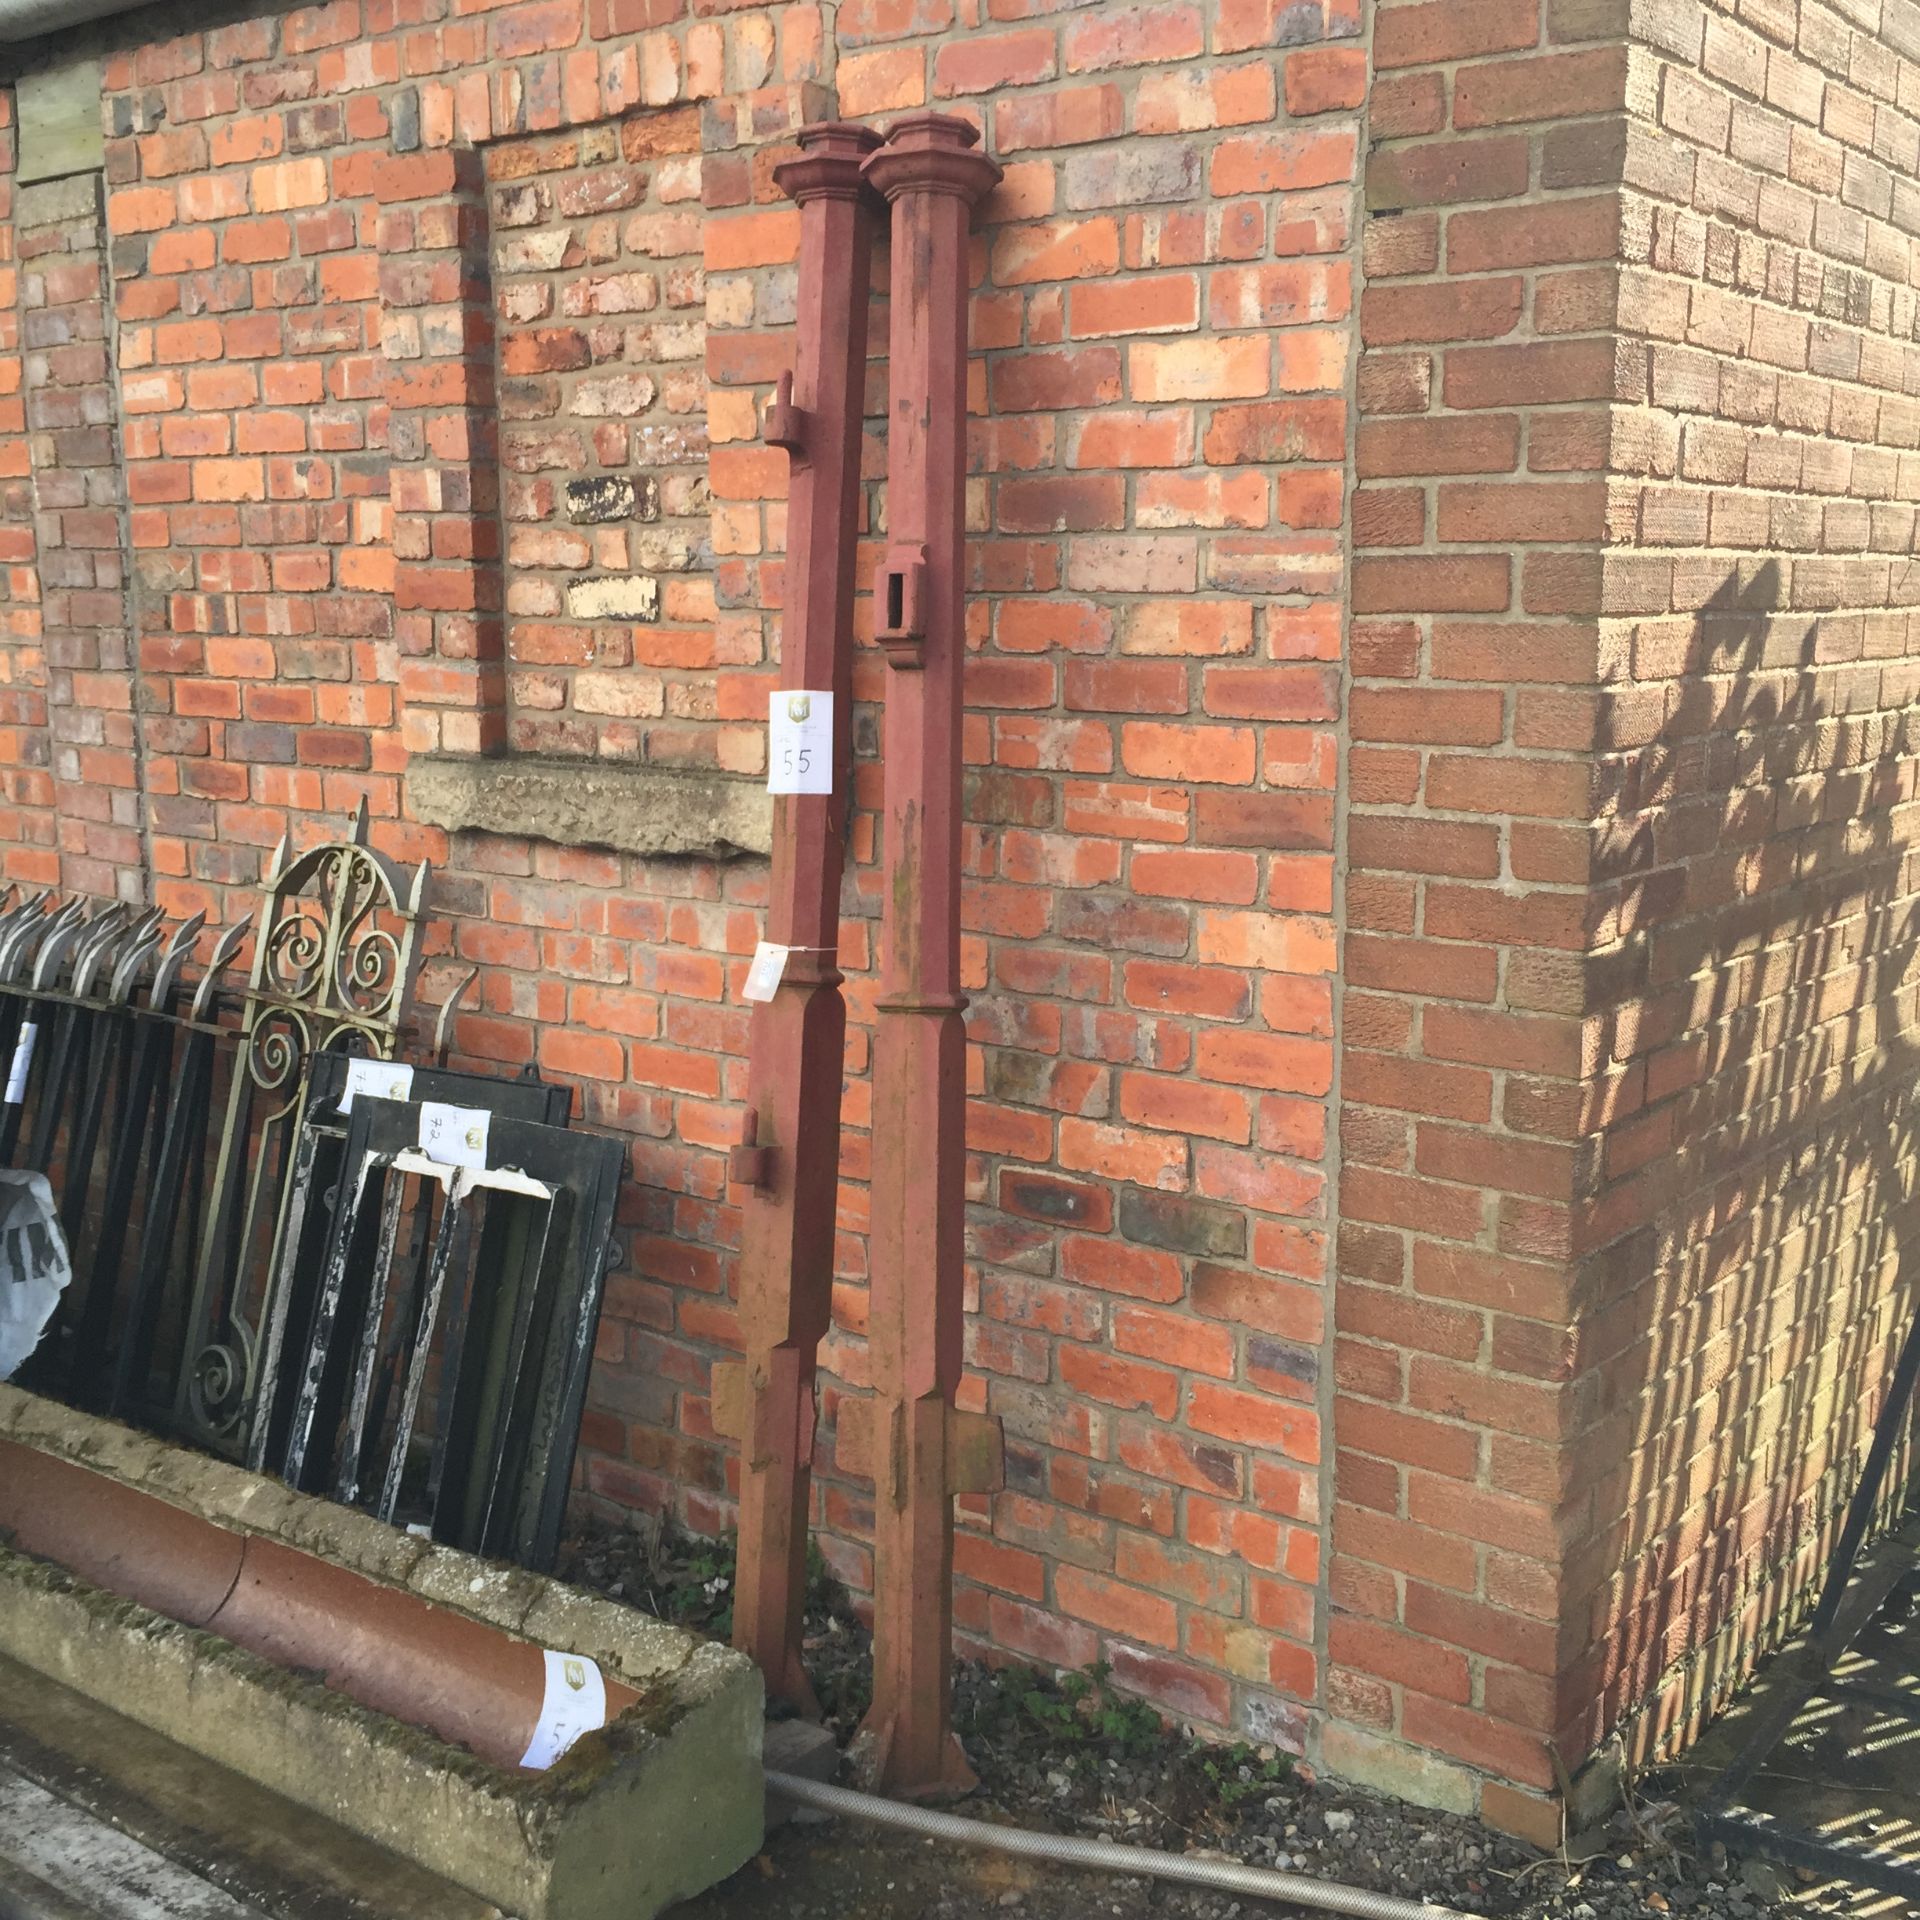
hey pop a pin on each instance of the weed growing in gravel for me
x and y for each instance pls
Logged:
(1075, 1734)
(1076, 1713)
(677, 1576)
(1241, 1773)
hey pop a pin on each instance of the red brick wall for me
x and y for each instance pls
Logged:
(79, 500)
(316, 404)
(1479, 505)
(1754, 1001)
(26, 748)
(600, 306)
(1625, 1174)
(1582, 446)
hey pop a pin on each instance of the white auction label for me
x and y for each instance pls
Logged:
(454, 1136)
(383, 1079)
(575, 1703)
(768, 969)
(799, 741)
(22, 1061)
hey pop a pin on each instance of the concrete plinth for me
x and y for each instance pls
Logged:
(653, 1809)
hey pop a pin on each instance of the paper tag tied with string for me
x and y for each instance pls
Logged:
(454, 1136)
(767, 971)
(800, 740)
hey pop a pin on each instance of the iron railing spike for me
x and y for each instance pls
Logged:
(52, 952)
(27, 908)
(21, 940)
(359, 834)
(132, 963)
(217, 964)
(443, 1021)
(98, 947)
(166, 975)
(13, 942)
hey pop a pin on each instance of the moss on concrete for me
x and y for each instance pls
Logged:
(650, 1810)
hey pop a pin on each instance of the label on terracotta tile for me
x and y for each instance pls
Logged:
(799, 741)
(764, 976)
(575, 1703)
(382, 1079)
(454, 1136)
(22, 1063)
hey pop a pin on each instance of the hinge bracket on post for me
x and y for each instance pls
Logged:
(900, 605)
(747, 1415)
(748, 1163)
(786, 424)
(976, 1449)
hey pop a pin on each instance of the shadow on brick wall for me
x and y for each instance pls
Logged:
(1752, 1190)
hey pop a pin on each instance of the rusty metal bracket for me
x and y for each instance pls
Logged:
(787, 425)
(755, 1415)
(900, 605)
(749, 1164)
(975, 1450)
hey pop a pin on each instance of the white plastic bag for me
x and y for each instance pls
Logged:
(34, 1265)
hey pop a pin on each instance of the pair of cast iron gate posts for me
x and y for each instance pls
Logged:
(233, 1213)
(909, 1437)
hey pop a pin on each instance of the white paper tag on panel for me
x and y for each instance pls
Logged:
(383, 1079)
(799, 741)
(575, 1703)
(454, 1136)
(22, 1061)
(768, 969)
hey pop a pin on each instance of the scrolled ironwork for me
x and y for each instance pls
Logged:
(296, 953)
(276, 1049)
(216, 1387)
(335, 952)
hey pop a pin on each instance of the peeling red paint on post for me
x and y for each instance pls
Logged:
(933, 180)
(798, 1041)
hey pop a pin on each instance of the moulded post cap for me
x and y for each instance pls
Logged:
(824, 133)
(932, 153)
(829, 160)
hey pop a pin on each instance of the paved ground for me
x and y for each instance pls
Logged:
(58, 1862)
(94, 1807)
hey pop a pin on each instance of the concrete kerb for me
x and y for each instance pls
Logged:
(657, 1807)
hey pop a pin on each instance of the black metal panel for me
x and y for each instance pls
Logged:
(452, 1330)
(313, 1184)
(277, 1276)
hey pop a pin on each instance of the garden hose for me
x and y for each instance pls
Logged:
(1224, 1876)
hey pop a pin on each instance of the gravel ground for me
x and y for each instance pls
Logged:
(1059, 1753)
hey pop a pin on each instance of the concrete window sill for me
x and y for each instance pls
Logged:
(574, 803)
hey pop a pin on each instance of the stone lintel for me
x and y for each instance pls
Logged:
(590, 803)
